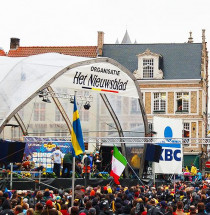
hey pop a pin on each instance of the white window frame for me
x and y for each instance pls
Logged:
(185, 107)
(159, 103)
(187, 127)
(39, 112)
(190, 132)
(134, 106)
(148, 68)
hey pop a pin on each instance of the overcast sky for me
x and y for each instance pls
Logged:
(68, 22)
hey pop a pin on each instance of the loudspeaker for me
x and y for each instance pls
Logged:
(153, 152)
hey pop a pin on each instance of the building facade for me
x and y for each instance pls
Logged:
(173, 79)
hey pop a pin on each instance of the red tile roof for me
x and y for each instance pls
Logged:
(82, 51)
(2, 53)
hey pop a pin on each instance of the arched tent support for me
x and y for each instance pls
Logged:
(61, 110)
(117, 124)
(21, 124)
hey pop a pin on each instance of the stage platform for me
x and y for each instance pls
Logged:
(25, 184)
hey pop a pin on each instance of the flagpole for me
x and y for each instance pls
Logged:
(135, 174)
(73, 173)
(73, 180)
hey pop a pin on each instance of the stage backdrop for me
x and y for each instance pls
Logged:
(172, 155)
(41, 152)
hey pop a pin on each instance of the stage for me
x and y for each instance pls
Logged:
(25, 184)
(65, 183)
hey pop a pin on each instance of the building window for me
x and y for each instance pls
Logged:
(159, 104)
(134, 125)
(39, 111)
(116, 103)
(182, 101)
(58, 116)
(148, 68)
(135, 109)
(187, 129)
(186, 132)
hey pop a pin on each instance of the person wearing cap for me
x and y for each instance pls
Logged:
(57, 157)
(49, 210)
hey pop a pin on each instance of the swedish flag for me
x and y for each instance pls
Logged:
(76, 133)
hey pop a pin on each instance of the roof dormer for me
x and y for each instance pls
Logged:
(149, 66)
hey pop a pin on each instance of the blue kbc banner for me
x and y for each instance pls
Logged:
(171, 156)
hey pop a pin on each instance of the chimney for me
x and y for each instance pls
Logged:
(14, 43)
(190, 39)
(203, 36)
(100, 43)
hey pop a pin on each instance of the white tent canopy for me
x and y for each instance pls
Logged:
(22, 78)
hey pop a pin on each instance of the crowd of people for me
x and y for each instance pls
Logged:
(183, 198)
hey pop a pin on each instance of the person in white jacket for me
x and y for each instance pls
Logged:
(57, 157)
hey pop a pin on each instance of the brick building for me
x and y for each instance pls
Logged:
(173, 79)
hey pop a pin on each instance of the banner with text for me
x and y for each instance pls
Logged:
(172, 155)
(101, 78)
